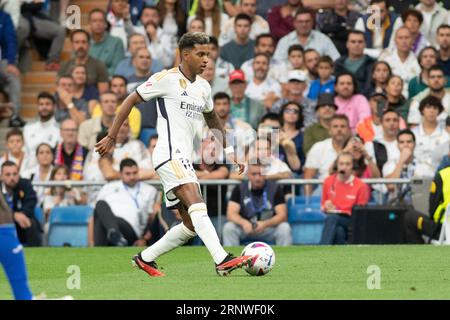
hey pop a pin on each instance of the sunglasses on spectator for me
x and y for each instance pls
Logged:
(294, 111)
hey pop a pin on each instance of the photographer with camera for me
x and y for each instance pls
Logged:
(257, 211)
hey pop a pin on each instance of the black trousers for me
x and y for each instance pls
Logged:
(418, 224)
(32, 236)
(105, 220)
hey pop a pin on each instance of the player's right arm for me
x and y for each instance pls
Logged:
(154, 87)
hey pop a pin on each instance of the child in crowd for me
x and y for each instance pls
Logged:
(325, 82)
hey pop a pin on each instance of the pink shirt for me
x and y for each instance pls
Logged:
(356, 108)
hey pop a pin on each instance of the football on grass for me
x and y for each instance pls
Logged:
(264, 258)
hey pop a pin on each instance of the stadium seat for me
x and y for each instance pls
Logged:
(145, 135)
(69, 226)
(39, 215)
(306, 222)
(304, 200)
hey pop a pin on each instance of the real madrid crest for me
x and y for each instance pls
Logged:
(183, 84)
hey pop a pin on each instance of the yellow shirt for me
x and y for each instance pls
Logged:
(134, 119)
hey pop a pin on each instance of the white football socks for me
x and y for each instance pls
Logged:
(175, 237)
(206, 231)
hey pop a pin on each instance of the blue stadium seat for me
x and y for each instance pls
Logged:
(304, 200)
(39, 215)
(69, 226)
(145, 135)
(306, 222)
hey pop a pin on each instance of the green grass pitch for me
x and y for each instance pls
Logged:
(302, 272)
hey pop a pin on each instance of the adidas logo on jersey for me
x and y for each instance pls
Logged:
(184, 94)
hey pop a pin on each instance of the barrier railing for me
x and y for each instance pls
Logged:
(219, 183)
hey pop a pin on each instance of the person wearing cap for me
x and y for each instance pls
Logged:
(318, 131)
(296, 86)
(431, 138)
(243, 107)
(262, 87)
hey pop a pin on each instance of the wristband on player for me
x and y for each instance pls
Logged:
(113, 139)
(229, 150)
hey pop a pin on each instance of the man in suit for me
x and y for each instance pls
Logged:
(21, 198)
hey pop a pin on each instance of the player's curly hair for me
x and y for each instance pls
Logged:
(190, 39)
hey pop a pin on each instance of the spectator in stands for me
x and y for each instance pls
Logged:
(97, 72)
(436, 88)
(384, 146)
(430, 136)
(263, 88)
(67, 105)
(443, 40)
(319, 131)
(142, 64)
(296, 87)
(355, 106)
(45, 128)
(306, 36)
(208, 167)
(295, 62)
(370, 128)
(364, 165)
(6, 107)
(223, 68)
(240, 134)
(405, 166)
(427, 58)
(378, 39)
(162, 46)
(69, 152)
(90, 128)
(61, 196)
(311, 57)
(118, 85)
(196, 25)
(9, 73)
(291, 136)
(402, 60)
(217, 84)
(257, 211)
(173, 17)
(336, 23)
(396, 100)
(355, 61)
(325, 81)
(413, 19)
(241, 47)
(123, 208)
(242, 106)
(380, 74)
(126, 67)
(264, 43)
(341, 191)
(322, 154)
(258, 24)
(103, 46)
(434, 16)
(119, 19)
(281, 18)
(38, 25)
(211, 13)
(14, 150)
(152, 143)
(21, 198)
(42, 171)
(81, 89)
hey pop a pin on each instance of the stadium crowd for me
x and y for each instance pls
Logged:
(326, 93)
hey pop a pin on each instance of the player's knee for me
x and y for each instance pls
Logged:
(198, 208)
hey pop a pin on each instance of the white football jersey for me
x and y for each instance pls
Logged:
(180, 104)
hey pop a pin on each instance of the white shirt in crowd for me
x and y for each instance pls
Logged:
(209, 23)
(276, 70)
(37, 132)
(259, 26)
(133, 204)
(432, 20)
(426, 147)
(321, 157)
(259, 92)
(163, 49)
(406, 70)
(275, 166)
(391, 148)
(414, 116)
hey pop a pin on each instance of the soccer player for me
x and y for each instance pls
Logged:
(183, 100)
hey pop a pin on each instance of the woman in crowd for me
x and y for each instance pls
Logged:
(173, 17)
(381, 72)
(210, 12)
(364, 166)
(81, 90)
(396, 100)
